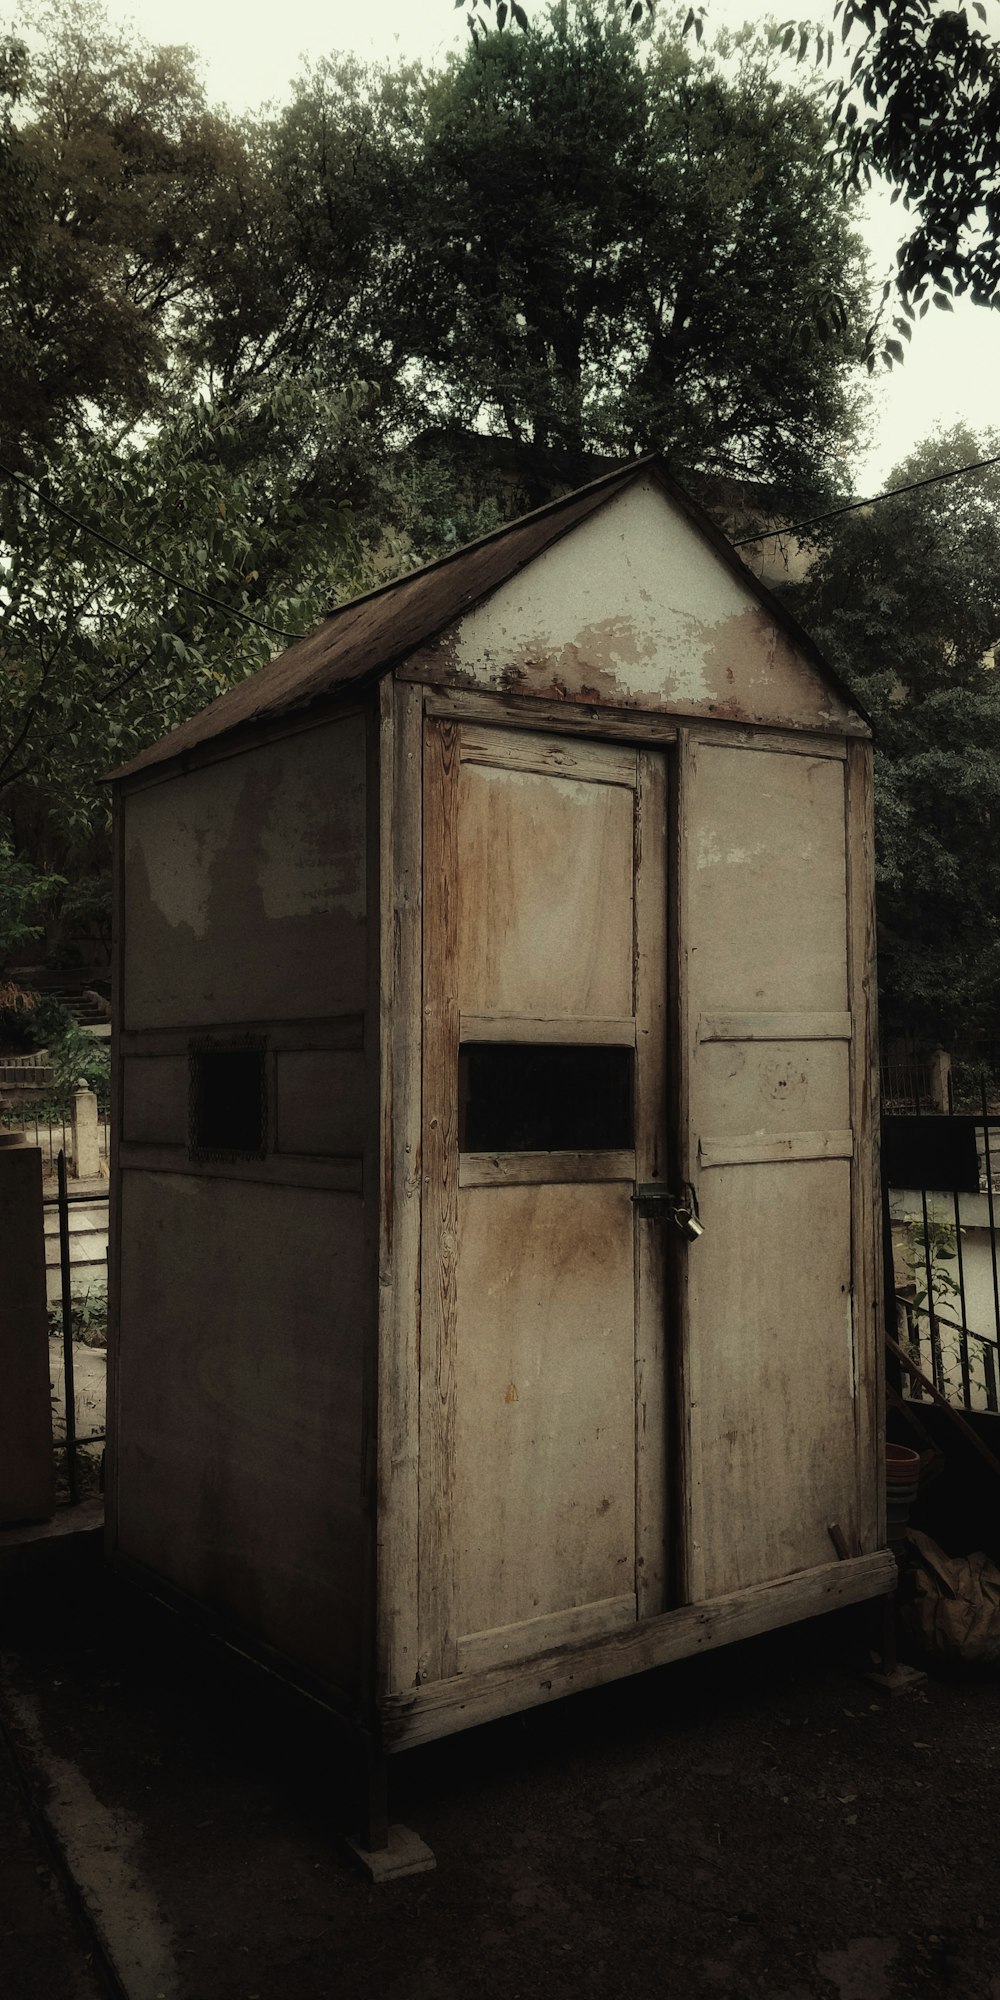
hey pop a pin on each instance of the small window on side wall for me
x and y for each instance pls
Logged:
(228, 1099)
(533, 1097)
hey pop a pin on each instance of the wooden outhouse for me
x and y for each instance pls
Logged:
(495, 1219)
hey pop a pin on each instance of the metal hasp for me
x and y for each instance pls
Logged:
(651, 1200)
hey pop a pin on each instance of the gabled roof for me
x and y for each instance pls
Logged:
(372, 634)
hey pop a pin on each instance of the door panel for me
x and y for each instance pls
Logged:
(544, 1496)
(545, 895)
(543, 1476)
(771, 1383)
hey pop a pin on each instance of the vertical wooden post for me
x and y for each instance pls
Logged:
(867, 1275)
(439, 1252)
(399, 1154)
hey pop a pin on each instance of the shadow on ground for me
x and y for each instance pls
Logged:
(757, 1822)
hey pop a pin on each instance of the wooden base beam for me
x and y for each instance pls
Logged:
(443, 1707)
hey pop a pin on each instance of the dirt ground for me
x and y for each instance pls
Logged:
(756, 1822)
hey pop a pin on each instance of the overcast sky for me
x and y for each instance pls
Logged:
(251, 51)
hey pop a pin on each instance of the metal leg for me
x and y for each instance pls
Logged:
(374, 1816)
(385, 1853)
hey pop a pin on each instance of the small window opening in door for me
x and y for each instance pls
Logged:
(228, 1100)
(530, 1097)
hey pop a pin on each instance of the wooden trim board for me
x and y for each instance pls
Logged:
(401, 1002)
(774, 1028)
(439, 1709)
(439, 1218)
(760, 1148)
(542, 1169)
(866, 1221)
(549, 756)
(332, 1031)
(535, 1029)
(579, 1623)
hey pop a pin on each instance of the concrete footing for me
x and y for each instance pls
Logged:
(406, 1854)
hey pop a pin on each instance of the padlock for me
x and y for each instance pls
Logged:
(688, 1224)
(686, 1217)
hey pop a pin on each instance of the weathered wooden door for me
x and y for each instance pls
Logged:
(543, 1425)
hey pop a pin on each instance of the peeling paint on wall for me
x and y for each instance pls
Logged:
(635, 610)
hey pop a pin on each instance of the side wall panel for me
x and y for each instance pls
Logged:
(245, 885)
(239, 1405)
(247, 1284)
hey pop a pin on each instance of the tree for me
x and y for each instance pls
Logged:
(904, 599)
(920, 106)
(272, 352)
(459, 240)
(107, 157)
(270, 507)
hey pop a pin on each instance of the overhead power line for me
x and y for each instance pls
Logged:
(855, 506)
(132, 555)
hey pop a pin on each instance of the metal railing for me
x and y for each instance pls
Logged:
(52, 1134)
(941, 1223)
(63, 1201)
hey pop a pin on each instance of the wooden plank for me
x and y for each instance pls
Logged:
(767, 853)
(757, 1148)
(400, 1023)
(155, 1099)
(245, 885)
(803, 1027)
(794, 743)
(544, 1514)
(524, 712)
(431, 1712)
(751, 1089)
(652, 1164)
(616, 724)
(357, 1104)
(588, 1032)
(543, 1169)
(320, 1101)
(548, 756)
(544, 895)
(260, 1373)
(867, 1280)
(285, 1170)
(687, 1539)
(439, 1235)
(776, 1410)
(540, 1635)
(334, 1031)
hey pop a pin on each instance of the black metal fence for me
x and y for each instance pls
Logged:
(941, 1180)
(69, 1312)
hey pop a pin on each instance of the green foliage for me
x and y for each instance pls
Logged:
(904, 599)
(920, 106)
(88, 1317)
(25, 891)
(934, 1247)
(320, 331)
(107, 158)
(494, 269)
(76, 1057)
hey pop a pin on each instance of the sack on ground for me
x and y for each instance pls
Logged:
(951, 1604)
